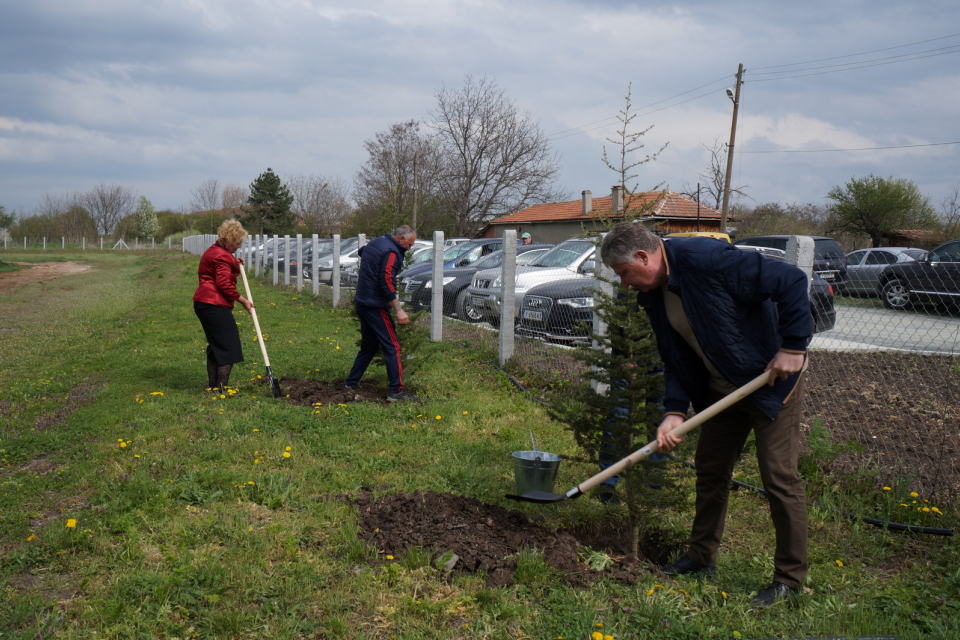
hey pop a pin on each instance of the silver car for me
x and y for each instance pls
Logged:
(864, 267)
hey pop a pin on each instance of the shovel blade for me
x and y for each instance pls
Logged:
(539, 497)
(274, 383)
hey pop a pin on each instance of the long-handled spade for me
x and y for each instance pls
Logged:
(274, 385)
(650, 449)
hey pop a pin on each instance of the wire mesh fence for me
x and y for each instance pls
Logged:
(884, 360)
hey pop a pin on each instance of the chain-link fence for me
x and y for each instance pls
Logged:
(884, 360)
(44, 243)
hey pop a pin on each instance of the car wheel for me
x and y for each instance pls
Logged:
(895, 295)
(465, 309)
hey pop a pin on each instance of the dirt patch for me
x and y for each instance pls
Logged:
(308, 393)
(485, 537)
(40, 273)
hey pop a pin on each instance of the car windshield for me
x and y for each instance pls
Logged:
(529, 257)
(563, 255)
(455, 252)
(913, 254)
(495, 259)
(422, 256)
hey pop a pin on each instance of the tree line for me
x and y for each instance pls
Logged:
(474, 157)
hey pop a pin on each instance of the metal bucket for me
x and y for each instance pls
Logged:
(535, 470)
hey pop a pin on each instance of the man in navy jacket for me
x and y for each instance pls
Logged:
(722, 316)
(381, 261)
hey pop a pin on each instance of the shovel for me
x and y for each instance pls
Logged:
(274, 385)
(545, 497)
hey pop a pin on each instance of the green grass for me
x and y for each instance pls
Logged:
(198, 527)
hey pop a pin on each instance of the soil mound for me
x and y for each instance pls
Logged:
(486, 537)
(307, 393)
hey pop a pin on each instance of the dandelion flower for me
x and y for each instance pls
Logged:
(338, 348)
(599, 625)
(935, 510)
(256, 430)
(596, 635)
(389, 557)
(286, 454)
(886, 488)
(438, 417)
(724, 594)
(902, 504)
(136, 455)
(465, 412)
(839, 564)
(123, 445)
(222, 396)
(926, 510)
(914, 494)
(608, 637)
(289, 449)
(156, 393)
(649, 592)
(71, 523)
(31, 538)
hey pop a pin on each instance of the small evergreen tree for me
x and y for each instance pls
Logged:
(144, 223)
(268, 207)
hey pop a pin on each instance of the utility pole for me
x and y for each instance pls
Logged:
(733, 135)
(415, 190)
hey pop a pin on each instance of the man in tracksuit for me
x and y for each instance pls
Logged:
(376, 294)
(722, 317)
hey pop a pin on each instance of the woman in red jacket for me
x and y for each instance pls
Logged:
(214, 299)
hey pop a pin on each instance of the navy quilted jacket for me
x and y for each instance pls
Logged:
(742, 307)
(382, 260)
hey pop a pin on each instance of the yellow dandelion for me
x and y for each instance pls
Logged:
(251, 482)
(886, 488)
(289, 449)
(31, 538)
(608, 637)
(438, 417)
(914, 494)
(256, 430)
(596, 635)
(338, 348)
(926, 510)
(935, 510)
(903, 505)
(119, 439)
(389, 557)
(136, 455)
(123, 445)
(71, 523)
(465, 412)
(649, 592)
(222, 396)
(724, 594)
(599, 625)
(839, 564)
(286, 454)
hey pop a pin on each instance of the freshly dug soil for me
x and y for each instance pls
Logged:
(486, 537)
(307, 393)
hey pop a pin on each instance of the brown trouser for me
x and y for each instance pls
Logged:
(778, 443)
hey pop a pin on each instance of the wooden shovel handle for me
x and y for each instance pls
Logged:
(695, 421)
(256, 323)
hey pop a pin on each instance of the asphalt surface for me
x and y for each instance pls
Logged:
(880, 329)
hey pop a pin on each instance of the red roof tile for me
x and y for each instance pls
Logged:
(673, 205)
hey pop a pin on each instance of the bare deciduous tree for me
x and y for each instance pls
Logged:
(234, 195)
(207, 196)
(108, 204)
(949, 213)
(497, 160)
(712, 178)
(321, 203)
(399, 160)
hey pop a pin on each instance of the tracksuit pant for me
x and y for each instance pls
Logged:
(377, 331)
(778, 447)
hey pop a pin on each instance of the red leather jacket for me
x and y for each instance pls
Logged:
(218, 273)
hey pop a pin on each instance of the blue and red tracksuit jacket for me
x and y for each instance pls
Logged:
(382, 260)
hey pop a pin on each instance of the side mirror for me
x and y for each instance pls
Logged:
(587, 266)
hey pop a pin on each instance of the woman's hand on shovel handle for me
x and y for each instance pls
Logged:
(665, 440)
(246, 304)
(783, 365)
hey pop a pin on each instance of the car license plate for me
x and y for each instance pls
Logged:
(479, 301)
(829, 275)
(532, 315)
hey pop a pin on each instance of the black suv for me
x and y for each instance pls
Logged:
(934, 277)
(829, 260)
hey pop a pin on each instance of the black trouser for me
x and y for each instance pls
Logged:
(778, 446)
(377, 332)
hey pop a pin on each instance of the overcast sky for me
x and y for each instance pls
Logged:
(163, 95)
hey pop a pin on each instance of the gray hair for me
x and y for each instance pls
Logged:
(403, 231)
(622, 242)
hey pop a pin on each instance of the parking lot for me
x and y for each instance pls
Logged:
(861, 328)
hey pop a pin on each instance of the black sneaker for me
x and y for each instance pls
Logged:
(685, 565)
(776, 592)
(402, 396)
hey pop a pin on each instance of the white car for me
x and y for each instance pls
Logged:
(570, 259)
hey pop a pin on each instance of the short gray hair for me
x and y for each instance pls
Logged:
(403, 231)
(621, 243)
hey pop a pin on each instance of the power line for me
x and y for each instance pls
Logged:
(652, 104)
(879, 64)
(902, 146)
(862, 53)
(955, 47)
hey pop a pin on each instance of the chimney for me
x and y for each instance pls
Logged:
(587, 202)
(616, 199)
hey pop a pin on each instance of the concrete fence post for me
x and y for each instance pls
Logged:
(286, 261)
(800, 250)
(63, 242)
(83, 244)
(44, 243)
(276, 259)
(313, 248)
(436, 302)
(315, 267)
(508, 289)
(599, 326)
(298, 265)
(335, 270)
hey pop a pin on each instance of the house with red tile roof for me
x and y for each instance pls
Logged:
(664, 211)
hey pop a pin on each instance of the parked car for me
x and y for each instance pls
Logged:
(716, 235)
(456, 300)
(323, 244)
(933, 277)
(828, 258)
(460, 255)
(570, 259)
(325, 260)
(864, 267)
(560, 311)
